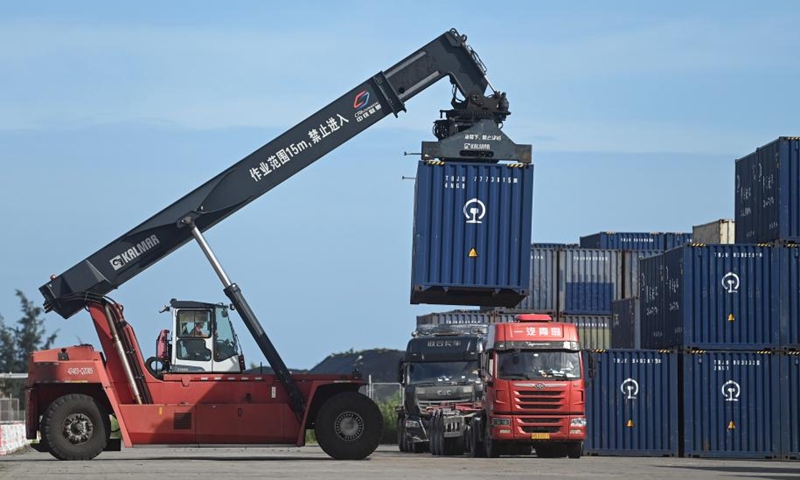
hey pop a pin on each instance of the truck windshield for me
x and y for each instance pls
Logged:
(538, 365)
(443, 372)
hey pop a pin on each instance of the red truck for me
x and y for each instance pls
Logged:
(533, 395)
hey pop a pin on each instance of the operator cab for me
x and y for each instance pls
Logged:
(203, 341)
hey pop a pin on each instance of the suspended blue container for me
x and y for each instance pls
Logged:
(768, 193)
(731, 404)
(632, 403)
(472, 234)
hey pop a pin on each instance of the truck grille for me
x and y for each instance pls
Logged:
(539, 400)
(540, 425)
(423, 404)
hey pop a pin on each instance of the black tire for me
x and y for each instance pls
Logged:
(75, 427)
(476, 449)
(402, 443)
(418, 447)
(575, 450)
(349, 426)
(434, 435)
(492, 447)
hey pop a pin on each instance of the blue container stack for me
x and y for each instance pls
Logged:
(579, 282)
(729, 316)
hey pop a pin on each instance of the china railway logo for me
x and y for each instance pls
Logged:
(132, 253)
(730, 282)
(731, 391)
(361, 100)
(630, 388)
(474, 210)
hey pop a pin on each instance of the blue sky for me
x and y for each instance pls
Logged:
(110, 112)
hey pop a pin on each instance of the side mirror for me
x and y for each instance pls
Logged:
(400, 372)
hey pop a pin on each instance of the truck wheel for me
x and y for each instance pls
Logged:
(349, 426)
(74, 428)
(475, 449)
(575, 450)
(439, 435)
(434, 434)
(492, 447)
(401, 435)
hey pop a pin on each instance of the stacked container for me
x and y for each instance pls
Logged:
(636, 240)
(790, 407)
(625, 328)
(768, 193)
(712, 297)
(725, 307)
(632, 403)
(466, 317)
(718, 232)
(589, 280)
(730, 406)
(543, 284)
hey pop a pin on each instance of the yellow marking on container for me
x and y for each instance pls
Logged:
(629, 424)
(161, 410)
(731, 426)
(731, 318)
(473, 253)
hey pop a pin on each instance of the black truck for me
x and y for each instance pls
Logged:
(440, 369)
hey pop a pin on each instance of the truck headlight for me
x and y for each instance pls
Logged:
(412, 423)
(496, 422)
(577, 422)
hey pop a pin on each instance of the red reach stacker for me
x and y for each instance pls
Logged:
(194, 389)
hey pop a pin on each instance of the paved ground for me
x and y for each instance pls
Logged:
(386, 463)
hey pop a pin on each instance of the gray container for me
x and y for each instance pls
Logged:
(466, 317)
(543, 285)
(714, 233)
(589, 280)
(594, 331)
(630, 270)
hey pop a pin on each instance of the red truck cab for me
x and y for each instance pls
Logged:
(534, 388)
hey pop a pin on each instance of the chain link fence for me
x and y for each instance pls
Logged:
(11, 401)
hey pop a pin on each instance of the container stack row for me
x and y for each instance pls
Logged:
(722, 404)
(714, 362)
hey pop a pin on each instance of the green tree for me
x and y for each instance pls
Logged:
(19, 341)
